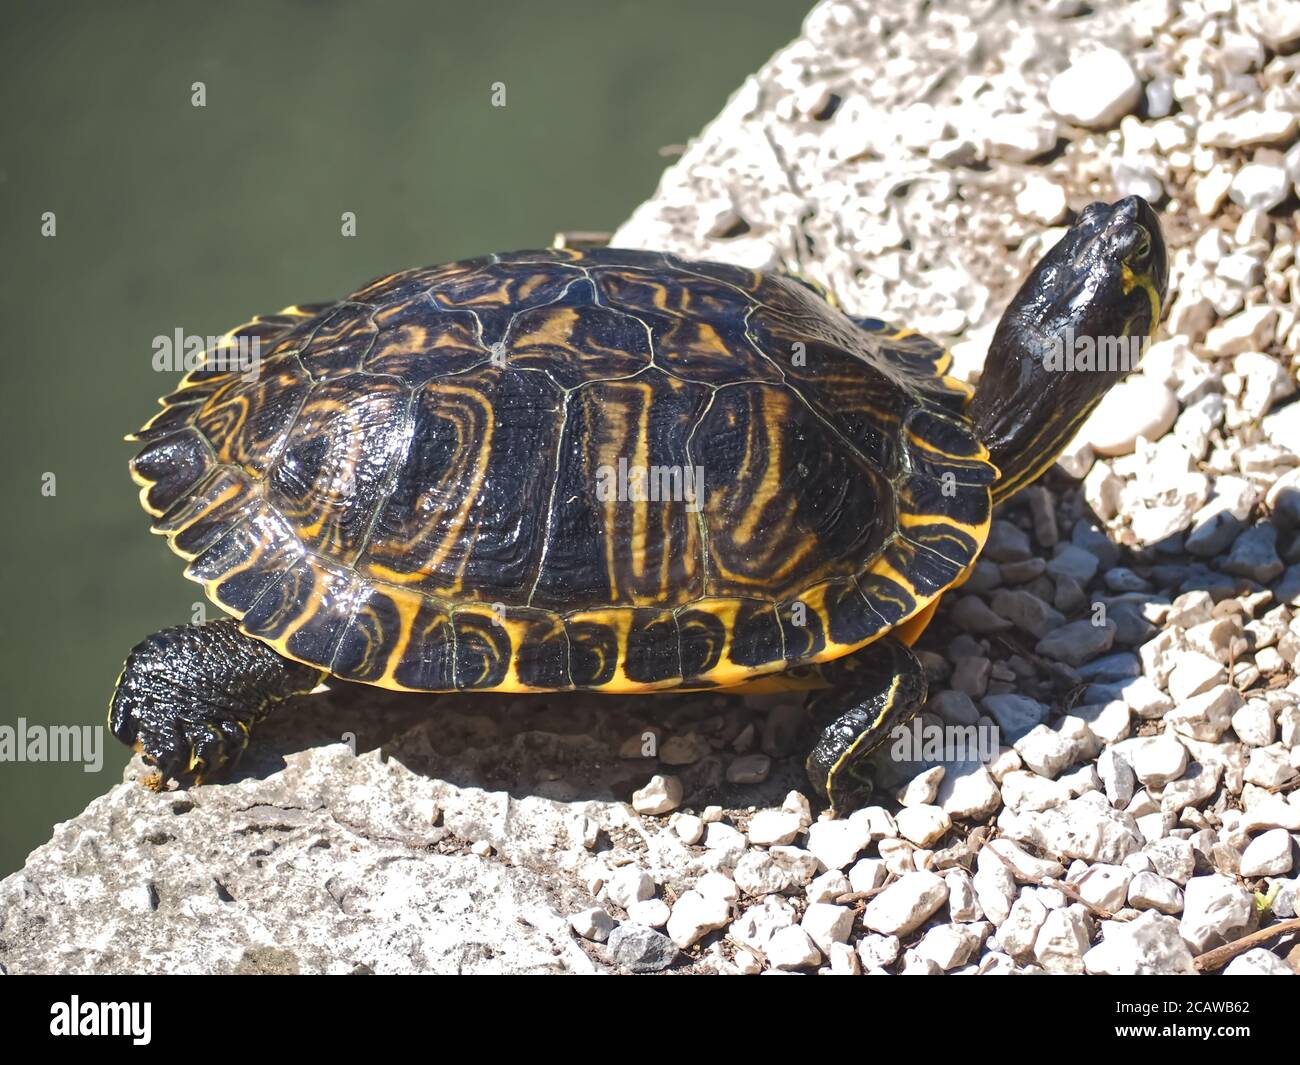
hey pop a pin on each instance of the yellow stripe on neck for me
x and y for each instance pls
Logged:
(1129, 281)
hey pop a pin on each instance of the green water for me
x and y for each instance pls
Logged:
(173, 216)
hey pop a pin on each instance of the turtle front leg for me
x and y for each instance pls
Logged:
(189, 696)
(868, 693)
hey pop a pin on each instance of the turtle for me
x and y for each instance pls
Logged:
(601, 470)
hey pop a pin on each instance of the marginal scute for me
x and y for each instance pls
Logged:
(305, 613)
(483, 648)
(703, 638)
(756, 636)
(380, 619)
(803, 635)
(211, 509)
(652, 653)
(944, 448)
(923, 498)
(593, 652)
(549, 470)
(928, 572)
(889, 598)
(247, 560)
(858, 610)
(541, 650)
(177, 414)
(169, 467)
(426, 661)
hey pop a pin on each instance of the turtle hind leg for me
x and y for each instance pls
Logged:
(869, 693)
(189, 697)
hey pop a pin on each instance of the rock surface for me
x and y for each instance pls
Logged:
(1129, 642)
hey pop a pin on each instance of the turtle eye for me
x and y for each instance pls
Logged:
(1141, 246)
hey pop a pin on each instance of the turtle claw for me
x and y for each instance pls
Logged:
(189, 697)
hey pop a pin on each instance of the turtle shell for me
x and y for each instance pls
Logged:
(564, 469)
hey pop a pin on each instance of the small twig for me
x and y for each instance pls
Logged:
(1220, 956)
(759, 954)
(861, 896)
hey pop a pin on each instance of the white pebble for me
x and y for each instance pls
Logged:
(689, 828)
(653, 913)
(1268, 854)
(1096, 90)
(1157, 760)
(593, 924)
(773, 827)
(1258, 962)
(661, 795)
(1062, 941)
(1149, 891)
(1136, 407)
(792, 948)
(630, 884)
(1215, 911)
(1149, 945)
(694, 916)
(906, 904)
(826, 923)
(923, 825)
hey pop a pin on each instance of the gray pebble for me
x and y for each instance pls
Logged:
(1077, 642)
(1074, 561)
(1131, 627)
(1069, 596)
(1007, 543)
(970, 675)
(955, 707)
(749, 769)
(972, 614)
(987, 575)
(1023, 572)
(1112, 667)
(1092, 539)
(1123, 579)
(1016, 715)
(1026, 611)
(641, 949)
(1254, 555)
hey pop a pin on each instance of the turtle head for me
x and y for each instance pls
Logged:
(1078, 324)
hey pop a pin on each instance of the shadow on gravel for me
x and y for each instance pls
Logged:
(566, 747)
